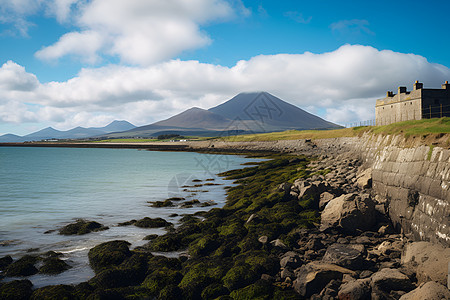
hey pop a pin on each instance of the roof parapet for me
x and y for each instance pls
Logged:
(402, 89)
(418, 85)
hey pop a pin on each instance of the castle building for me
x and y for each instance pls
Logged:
(417, 104)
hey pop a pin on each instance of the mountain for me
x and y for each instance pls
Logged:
(11, 138)
(196, 118)
(245, 113)
(74, 133)
(269, 113)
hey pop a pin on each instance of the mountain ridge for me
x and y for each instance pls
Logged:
(74, 133)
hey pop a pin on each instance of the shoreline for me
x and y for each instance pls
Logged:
(236, 252)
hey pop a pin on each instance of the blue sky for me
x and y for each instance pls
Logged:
(67, 63)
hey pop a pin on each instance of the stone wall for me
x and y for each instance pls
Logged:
(414, 180)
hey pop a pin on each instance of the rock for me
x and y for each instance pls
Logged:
(152, 223)
(431, 259)
(16, 290)
(108, 254)
(165, 203)
(314, 244)
(5, 262)
(387, 247)
(355, 290)
(314, 276)
(61, 291)
(349, 212)
(82, 227)
(22, 267)
(365, 274)
(150, 237)
(391, 280)
(325, 197)
(285, 187)
(428, 291)
(364, 180)
(278, 243)
(53, 265)
(290, 260)
(345, 256)
(285, 273)
(263, 239)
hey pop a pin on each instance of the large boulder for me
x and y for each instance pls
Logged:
(355, 290)
(388, 280)
(431, 261)
(349, 212)
(108, 254)
(314, 276)
(364, 179)
(345, 256)
(428, 291)
(82, 227)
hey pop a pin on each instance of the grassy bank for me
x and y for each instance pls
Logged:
(431, 130)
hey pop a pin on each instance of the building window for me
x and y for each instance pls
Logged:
(436, 101)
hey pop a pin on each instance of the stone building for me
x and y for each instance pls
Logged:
(417, 104)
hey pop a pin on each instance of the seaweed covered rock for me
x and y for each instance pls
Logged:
(214, 291)
(53, 265)
(16, 290)
(258, 290)
(239, 277)
(115, 277)
(22, 267)
(108, 254)
(170, 292)
(165, 203)
(82, 227)
(5, 262)
(51, 292)
(152, 223)
(161, 278)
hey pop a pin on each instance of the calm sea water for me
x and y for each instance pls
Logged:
(43, 189)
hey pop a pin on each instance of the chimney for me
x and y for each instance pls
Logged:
(402, 89)
(389, 94)
(418, 85)
(445, 86)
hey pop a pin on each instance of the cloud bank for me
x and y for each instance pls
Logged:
(340, 86)
(138, 32)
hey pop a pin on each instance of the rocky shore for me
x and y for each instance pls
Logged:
(294, 227)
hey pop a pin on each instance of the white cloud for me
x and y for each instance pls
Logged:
(84, 45)
(139, 32)
(13, 78)
(341, 85)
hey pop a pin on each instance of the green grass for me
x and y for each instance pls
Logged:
(420, 128)
(415, 128)
(126, 141)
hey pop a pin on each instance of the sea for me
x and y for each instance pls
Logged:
(44, 189)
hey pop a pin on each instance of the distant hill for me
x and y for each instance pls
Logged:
(268, 113)
(75, 133)
(245, 113)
